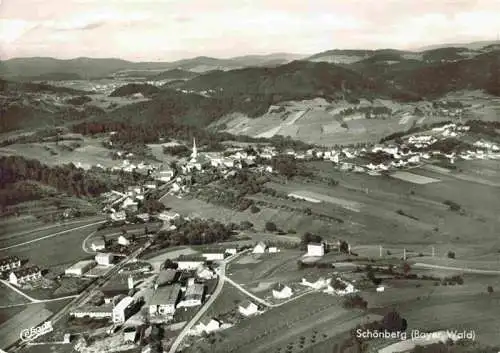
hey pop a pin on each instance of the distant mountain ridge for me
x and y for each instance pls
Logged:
(91, 68)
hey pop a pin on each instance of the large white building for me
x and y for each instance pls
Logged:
(188, 262)
(282, 292)
(164, 300)
(260, 248)
(315, 249)
(247, 308)
(79, 268)
(98, 243)
(123, 310)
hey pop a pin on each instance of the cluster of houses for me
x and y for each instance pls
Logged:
(83, 267)
(17, 274)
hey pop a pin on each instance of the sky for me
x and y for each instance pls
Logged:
(166, 30)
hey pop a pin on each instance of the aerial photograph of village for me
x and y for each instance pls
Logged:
(278, 176)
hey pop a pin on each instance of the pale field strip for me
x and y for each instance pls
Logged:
(29, 317)
(413, 178)
(404, 120)
(318, 198)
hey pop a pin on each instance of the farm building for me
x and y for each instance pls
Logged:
(282, 292)
(25, 275)
(164, 300)
(318, 283)
(116, 286)
(247, 308)
(231, 251)
(10, 263)
(96, 312)
(166, 277)
(105, 259)
(79, 268)
(206, 326)
(98, 243)
(189, 262)
(167, 216)
(194, 295)
(315, 249)
(118, 216)
(122, 240)
(123, 310)
(260, 248)
(273, 250)
(214, 254)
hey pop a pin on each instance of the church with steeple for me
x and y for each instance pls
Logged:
(196, 160)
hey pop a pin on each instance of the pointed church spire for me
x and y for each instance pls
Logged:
(195, 152)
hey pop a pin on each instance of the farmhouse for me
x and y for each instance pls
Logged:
(98, 243)
(247, 308)
(194, 295)
(166, 277)
(164, 300)
(206, 326)
(95, 312)
(231, 251)
(260, 248)
(123, 310)
(214, 254)
(105, 259)
(25, 275)
(204, 273)
(273, 250)
(79, 268)
(10, 263)
(189, 262)
(282, 292)
(315, 249)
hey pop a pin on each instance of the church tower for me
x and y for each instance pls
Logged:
(194, 154)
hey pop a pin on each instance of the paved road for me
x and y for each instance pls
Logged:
(244, 291)
(52, 235)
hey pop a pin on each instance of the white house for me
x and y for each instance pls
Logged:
(105, 259)
(247, 308)
(25, 275)
(123, 241)
(79, 268)
(282, 292)
(167, 216)
(204, 273)
(123, 310)
(231, 251)
(98, 244)
(380, 289)
(315, 249)
(260, 248)
(273, 250)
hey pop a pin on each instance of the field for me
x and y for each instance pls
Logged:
(314, 317)
(10, 297)
(308, 195)
(60, 249)
(413, 178)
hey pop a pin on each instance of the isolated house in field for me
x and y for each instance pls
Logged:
(164, 300)
(9, 263)
(315, 249)
(282, 292)
(247, 308)
(260, 248)
(124, 241)
(105, 259)
(98, 243)
(25, 275)
(79, 268)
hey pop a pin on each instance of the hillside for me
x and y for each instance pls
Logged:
(174, 74)
(132, 88)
